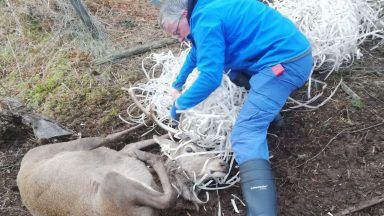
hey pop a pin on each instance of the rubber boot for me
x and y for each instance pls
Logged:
(258, 186)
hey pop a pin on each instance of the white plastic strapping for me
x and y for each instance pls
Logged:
(210, 122)
(335, 28)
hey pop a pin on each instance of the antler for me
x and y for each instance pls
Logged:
(148, 112)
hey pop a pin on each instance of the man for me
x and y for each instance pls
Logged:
(252, 41)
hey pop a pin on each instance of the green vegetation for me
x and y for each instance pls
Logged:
(42, 88)
(356, 103)
(128, 23)
(57, 78)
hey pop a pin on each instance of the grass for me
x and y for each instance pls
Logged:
(356, 103)
(57, 79)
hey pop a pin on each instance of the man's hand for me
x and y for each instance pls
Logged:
(175, 94)
(242, 80)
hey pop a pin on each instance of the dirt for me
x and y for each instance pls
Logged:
(324, 160)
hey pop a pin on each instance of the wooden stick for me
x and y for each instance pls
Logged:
(373, 126)
(137, 50)
(85, 18)
(350, 92)
(361, 206)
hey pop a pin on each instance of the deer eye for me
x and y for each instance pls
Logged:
(189, 150)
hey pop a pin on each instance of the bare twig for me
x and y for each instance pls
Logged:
(370, 95)
(137, 50)
(16, 60)
(376, 125)
(18, 23)
(322, 150)
(361, 206)
(333, 138)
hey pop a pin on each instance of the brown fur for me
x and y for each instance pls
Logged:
(81, 178)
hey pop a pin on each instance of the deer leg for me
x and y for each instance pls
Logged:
(140, 145)
(47, 151)
(117, 195)
(89, 143)
(169, 193)
(167, 198)
(157, 164)
(119, 136)
(124, 191)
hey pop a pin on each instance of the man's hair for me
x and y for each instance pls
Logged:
(171, 10)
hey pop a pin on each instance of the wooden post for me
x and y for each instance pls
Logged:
(84, 16)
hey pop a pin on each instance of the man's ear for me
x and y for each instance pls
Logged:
(185, 13)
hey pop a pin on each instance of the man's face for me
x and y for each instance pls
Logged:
(178, 29)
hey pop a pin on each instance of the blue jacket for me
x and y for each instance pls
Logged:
(236, 35)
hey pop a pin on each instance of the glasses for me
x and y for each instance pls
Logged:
(176, 32)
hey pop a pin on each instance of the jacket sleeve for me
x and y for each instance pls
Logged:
(210, 50)
(188, 66)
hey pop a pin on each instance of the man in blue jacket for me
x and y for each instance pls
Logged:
(252, 41)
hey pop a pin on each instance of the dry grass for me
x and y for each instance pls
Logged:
(47, 57)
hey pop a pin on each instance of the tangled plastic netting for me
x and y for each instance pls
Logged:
(335, 29)
(208, 124)
(201, 121)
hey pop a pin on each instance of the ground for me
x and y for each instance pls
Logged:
(324, 160)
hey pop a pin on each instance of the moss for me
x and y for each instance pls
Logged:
(42, 87)
(356, 103)
(109, 115)
(11, 83)
(54, 77)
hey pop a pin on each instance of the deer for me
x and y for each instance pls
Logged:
(87, 177)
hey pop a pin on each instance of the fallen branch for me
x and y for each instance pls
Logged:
(85, 18)
(361, 206)
(350, 92)
(137, 50)
(370, 95)
(367, 128)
